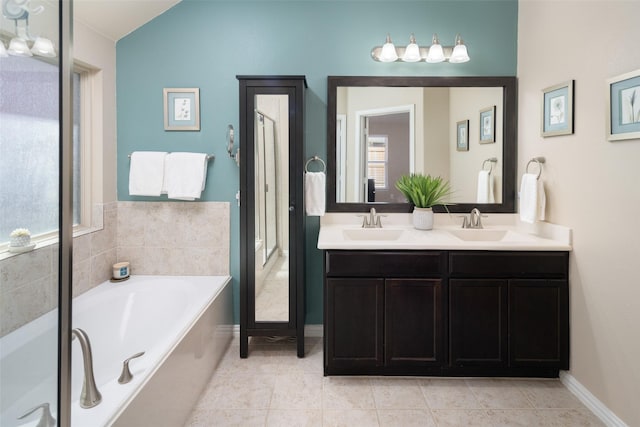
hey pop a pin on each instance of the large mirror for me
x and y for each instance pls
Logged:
(380, 128)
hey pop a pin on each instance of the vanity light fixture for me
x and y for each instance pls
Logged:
(414, 53)
(18, 11)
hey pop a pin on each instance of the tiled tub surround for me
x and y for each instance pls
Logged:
(174, 238)
(29, 281)
(165, 238)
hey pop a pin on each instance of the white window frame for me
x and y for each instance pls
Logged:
(384, 141)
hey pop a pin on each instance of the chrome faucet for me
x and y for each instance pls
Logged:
(90, 395)
(372, 220)
(474, 220)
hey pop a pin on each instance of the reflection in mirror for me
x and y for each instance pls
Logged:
(271, 208)
(386, 127)
(385, 141)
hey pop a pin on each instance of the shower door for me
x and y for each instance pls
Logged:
(35, 194)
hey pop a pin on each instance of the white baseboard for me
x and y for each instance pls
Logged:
(313, 331)
(590, 401)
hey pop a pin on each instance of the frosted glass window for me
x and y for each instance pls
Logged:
(29, 146)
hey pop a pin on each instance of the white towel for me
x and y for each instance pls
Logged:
(314, 192)
(185, 175)
(485, 187)
(532, 199)
(146, 173)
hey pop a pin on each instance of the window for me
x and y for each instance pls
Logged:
(377, 159)
(29, 146)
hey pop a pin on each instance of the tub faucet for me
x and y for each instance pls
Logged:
(46, 419)
(90, 395)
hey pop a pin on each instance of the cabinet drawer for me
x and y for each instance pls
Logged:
(508, 264)
(385, 263)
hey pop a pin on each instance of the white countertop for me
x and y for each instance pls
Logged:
(518, 236)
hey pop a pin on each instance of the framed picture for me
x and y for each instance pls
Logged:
(488, 125)
(181, 109)
(557, 109)
(623, 116)
(462, 135)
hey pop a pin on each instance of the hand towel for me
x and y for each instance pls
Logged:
(185, 175)
(532, 199)
(146, 173)
(314, 192)
(485, 187)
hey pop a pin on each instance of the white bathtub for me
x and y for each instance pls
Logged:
(183, 324)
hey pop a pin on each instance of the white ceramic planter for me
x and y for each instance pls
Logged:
(19, 241)
(423, 218)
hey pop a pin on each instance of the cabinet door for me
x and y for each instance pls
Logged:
(539, 323)
(413, 322)
(478, 322)
(354, 319)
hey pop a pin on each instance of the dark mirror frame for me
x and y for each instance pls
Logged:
(509, 132)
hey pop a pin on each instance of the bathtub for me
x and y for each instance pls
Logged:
(182, 323)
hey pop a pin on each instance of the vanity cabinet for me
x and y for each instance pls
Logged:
(383, 311)
(476, 313)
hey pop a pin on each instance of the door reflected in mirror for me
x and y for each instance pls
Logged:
(271, 208)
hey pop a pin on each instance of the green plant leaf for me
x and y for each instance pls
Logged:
(424, 191)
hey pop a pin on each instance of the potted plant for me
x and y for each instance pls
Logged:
(424, 192)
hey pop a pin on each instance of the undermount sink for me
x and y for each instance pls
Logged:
(372, 233)
(479, 235)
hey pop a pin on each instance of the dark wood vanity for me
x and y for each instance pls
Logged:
(446, 313)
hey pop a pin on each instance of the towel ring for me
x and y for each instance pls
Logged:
(317, 159)
(491, 161)
(539, 161)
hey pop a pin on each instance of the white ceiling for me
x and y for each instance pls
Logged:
(117, 18)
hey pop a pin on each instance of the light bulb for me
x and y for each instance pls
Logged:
(412, 51)
(436, 54)
(388, 53)
(43, 47)
(18, 47)
(459, 54)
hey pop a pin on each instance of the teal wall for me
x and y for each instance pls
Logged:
(206, 43)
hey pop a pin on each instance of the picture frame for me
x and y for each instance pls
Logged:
(462, 135)
(623, 107)
(488, 125)
(557, 109)
(181, 109)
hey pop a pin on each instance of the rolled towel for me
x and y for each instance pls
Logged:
(532, 199)
(146, 173)
(185, 175)
(314, 191)
(485, 187)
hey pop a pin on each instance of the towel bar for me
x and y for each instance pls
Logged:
(209, 156)
(539, 161)
(317, 159)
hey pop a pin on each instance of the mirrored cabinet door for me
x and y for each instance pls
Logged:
(271, 209)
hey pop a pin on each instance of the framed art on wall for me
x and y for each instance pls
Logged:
(557, 109)
(181, 109)
(462, 135)
(488, 125)
(623, 115)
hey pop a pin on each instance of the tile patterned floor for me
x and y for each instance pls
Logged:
(274, 388)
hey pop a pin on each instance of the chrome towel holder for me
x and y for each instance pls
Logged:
(491, 161)
(315, 159)
(539, 161)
